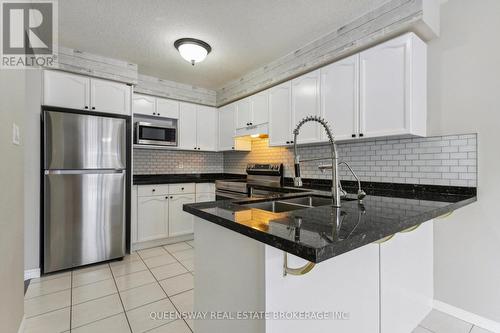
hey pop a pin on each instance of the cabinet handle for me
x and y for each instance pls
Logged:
(93, 108)
(166, 198)
(288, 142)
(232, 148)
(158, 114)
(171, 197)
(291, 141)
(354, 135)
(85, 107)
(182, 188)
(153, 190)
(154, 113)
(361, 135)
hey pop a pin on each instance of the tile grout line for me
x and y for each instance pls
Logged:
(120, 297)
(71, 302)
(170, 300)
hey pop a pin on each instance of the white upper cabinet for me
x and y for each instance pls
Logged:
(393, 88)
(260, 108)
(144, 104)
(66, 90)
(226, 127)
(187, 126)
(80, 92)
(243, 113)
(340, 98)
(280, 115)
(167, 108)
(109, 96)
(206, 128)
(197, 127)
(253, 110)
(306, 102)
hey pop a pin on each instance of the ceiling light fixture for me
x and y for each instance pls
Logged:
(193, 50)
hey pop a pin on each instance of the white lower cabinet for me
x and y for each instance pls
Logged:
(406, 279)
(152, 218)
(180, 222)
(157, 210)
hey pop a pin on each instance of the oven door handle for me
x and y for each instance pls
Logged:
(230, 195)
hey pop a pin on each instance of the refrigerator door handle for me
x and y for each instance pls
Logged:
(83, 172)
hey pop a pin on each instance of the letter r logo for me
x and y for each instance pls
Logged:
(27, 27)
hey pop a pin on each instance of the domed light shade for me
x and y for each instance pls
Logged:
(193, 50)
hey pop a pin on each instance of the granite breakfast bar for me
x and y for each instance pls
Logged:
(368, 266)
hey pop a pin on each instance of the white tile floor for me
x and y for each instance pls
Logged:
(118, 297)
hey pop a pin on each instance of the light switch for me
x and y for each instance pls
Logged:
(16, 134)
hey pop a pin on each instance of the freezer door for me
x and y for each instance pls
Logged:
(78, 141)
(84, 218)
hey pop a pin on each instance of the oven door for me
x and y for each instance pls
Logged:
(229, 195)
(154, 134)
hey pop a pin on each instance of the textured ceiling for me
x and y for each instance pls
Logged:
(244, 34)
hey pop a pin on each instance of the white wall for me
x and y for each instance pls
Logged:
(12, 94)
(464, 96)
(32, 171)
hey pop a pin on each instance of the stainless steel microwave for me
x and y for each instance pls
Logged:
(156, 132)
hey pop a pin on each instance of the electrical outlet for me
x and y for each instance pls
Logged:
(16, 134)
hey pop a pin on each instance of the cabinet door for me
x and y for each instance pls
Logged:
(385, 86)
(187, 126)
(260, 108)
(152, 214)
(280, 114)
(167, 108)
(205, 197)
(226, 127)
(108, 96)
(340, 97)
(243, 113)
(180, 222)
(306, 102)
(144, 104)
(206, 128)
(66, 90)
(406, 279)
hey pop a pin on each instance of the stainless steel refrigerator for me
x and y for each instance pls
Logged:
(84, 189)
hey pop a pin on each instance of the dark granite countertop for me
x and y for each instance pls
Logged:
(184, 178)
(313, 234)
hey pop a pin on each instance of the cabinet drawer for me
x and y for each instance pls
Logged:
(148, 190)
(205, 188)
(181, 188)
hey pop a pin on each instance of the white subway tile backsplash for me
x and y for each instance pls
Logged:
(446, 160)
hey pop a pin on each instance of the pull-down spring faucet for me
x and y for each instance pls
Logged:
(297, 180)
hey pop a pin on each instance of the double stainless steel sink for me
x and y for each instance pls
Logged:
(286, 205)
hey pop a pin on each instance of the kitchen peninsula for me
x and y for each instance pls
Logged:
(368, 265)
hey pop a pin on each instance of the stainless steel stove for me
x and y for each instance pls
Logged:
(270, 175)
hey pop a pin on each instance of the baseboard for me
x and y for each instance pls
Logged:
(161, 242)
(470, 317)
(31, 274)
(21, 326)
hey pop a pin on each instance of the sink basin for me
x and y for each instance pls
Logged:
(286, 205)
(275, 206)
(310, 201)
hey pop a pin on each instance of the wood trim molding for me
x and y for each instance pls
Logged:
(79, 62)
(163, 88)
(389, 20)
